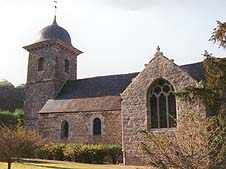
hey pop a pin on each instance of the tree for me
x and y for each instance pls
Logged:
(219, 34)
(11, 97)
(17, 143)
(184, 149)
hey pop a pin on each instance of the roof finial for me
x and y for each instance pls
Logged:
(158, 49)
(207, 54)
(158, 52)
(55, 12)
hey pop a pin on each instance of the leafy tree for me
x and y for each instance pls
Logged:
(219, 34)
(17, 143)
(11, 97)
(4, 82)
(184, 149)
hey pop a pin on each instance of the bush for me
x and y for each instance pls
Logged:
(94, 154)
(11, 118)
(51, 152)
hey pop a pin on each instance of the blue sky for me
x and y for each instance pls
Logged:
(116, 36)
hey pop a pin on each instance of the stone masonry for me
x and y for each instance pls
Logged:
(63, 108)
(135, 103)
(80, 127)
(45, 84)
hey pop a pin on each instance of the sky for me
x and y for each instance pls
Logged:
(116, 36)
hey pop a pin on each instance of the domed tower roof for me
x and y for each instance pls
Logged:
(53, 32)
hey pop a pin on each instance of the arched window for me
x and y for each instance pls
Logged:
(64, 129)
(40, 64)
(66, 66)
(162, 105)
(96, 127)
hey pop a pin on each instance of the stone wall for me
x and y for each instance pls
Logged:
(80, 127)
(45, 84)
(134, 103)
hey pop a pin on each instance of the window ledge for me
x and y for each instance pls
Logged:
(163, 129)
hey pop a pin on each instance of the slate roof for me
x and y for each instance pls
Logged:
(54, 31)
(101, 93)
(113, 85)
(106, 103)
(195, 70)
(101, 86)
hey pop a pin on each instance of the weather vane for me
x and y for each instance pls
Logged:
(55, 6)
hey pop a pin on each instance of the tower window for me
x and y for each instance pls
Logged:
(66, 66)
(40, 64)
(96, 127)
(162, 105)
(64, 129)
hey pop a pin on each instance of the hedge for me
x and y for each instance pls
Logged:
(83, 153)
(11, 119)
(51, 152)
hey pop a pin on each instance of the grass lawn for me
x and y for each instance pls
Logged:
(47, 164)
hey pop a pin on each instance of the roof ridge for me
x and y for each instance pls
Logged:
(191, 63)
(105, 76)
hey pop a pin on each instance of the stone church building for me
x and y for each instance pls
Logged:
(106, 109)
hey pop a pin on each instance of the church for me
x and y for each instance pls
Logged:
(107, 109)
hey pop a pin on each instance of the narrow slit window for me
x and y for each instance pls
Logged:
(66, 66)
(40, 64)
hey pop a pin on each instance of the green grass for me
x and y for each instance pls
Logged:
(47, 164)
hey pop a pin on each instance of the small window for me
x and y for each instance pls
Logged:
(96, 127)
(66, 66)
(64, 129)
(40, 64)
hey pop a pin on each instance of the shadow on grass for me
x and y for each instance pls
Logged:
(34, 161)
(52, 167)
(40, 164)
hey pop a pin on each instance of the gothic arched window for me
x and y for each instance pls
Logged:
(64, 129)
(66, 66)
(96, 127)
(162, 105)
(40, 64)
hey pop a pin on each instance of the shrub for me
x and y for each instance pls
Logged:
(94, 154)
(11, 118)
(51, 152)
(71, 152)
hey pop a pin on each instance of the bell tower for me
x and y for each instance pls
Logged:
(52, 61)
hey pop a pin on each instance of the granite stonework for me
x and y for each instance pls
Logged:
(135, 103)
(45, 84)
(54, 95)
(80, 127)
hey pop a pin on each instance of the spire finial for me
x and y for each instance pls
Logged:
(55, 12)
